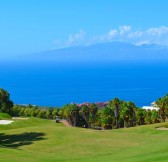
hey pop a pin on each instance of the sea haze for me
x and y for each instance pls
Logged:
(53, 84)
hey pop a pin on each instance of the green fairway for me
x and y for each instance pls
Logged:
(44, 140)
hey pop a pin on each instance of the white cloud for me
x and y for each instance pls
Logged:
(158, 31)
(124, 30)
(112, 34)
(76, 38)
(126, 33)
(115, 34)
(73, 40)
(153, 35)
(142, 42)
(158, 35)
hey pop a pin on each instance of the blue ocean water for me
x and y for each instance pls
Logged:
(59, 84)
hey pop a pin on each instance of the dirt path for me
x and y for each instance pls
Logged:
(65, 123)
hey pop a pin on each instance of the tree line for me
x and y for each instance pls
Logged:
(114, 114)
(35, 111)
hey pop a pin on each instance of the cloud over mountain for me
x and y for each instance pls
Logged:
(76, 39)
(153, 35)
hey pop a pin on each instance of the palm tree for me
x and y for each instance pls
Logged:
(85, 112)
(162, 103)
(132, 108)
(155, 116)
(115, 104)
(125, 114)
(74, 110)
(93, 113)
(141, 116)
(71, 113)
(107, 117)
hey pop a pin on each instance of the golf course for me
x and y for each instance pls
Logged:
(37, 139)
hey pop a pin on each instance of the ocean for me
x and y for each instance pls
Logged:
(52, 84)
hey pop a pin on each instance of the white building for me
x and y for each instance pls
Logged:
(152, 107)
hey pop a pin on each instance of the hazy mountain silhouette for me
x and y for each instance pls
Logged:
(114, 51)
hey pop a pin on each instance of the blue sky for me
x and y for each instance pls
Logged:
(36, 25)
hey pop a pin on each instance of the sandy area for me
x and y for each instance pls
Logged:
(19, 118)
(5, 122)
(162, 128)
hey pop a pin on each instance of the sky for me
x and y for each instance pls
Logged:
(32, 26)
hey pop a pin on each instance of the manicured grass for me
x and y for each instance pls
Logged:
(44, 140)
(4, 116)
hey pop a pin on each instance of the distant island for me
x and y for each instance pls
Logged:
(100, 52)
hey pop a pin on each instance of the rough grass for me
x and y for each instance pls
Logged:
(43, 140)
(4, 116)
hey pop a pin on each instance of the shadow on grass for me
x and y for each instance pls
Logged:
(17, 140)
